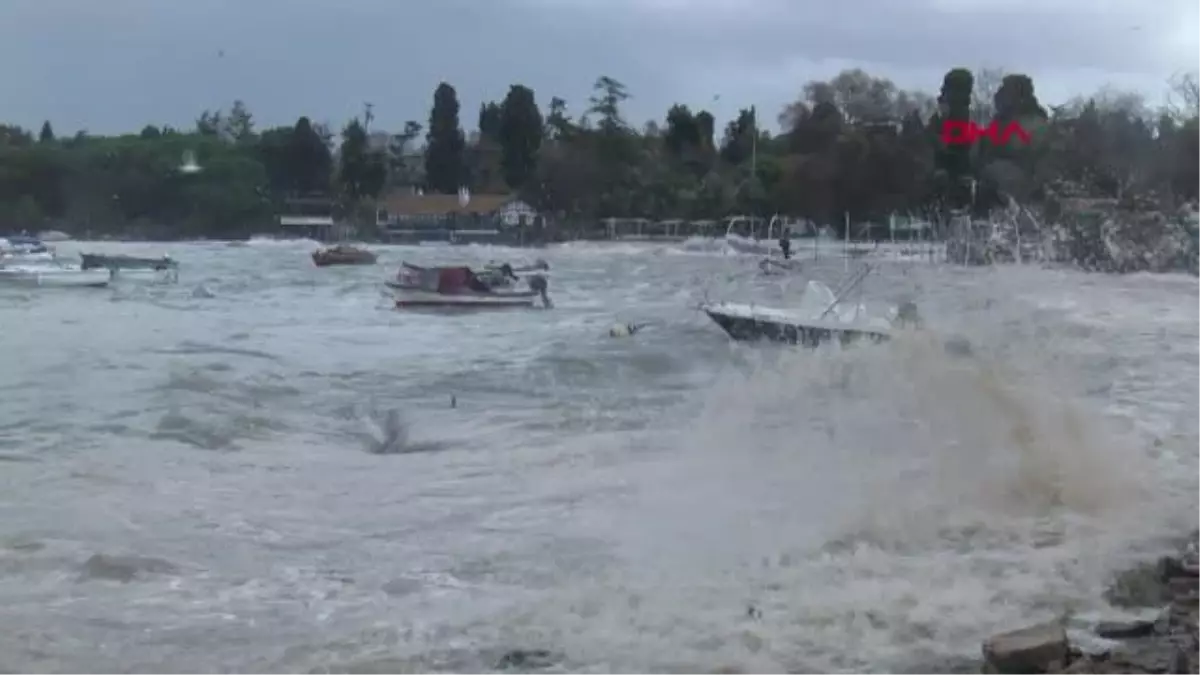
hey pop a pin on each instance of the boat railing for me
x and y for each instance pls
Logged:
(847, 286)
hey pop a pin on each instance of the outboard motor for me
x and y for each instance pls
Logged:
(907, 315)
(506, 270)
(541, 264)
(537, 284)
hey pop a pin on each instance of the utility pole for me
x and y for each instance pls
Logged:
(754, 141)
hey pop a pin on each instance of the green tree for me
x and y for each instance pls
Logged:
(238, 125)
(47, 133)
(954, 161)
(444, 143)
(311, 160)
(520, 135)
(362, 170)
(399, 170)
(489, 120)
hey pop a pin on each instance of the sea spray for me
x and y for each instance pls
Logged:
(905, 499)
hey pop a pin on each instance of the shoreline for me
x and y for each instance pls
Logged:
(1166, 642)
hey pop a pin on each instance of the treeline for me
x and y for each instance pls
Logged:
(855, 144)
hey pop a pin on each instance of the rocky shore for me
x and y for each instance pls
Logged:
(1164, 643)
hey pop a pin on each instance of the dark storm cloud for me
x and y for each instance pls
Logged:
(118, 64)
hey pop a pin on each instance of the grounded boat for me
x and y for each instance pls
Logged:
(820, 317)
(343, 255)
(460, 287)
(52, 276)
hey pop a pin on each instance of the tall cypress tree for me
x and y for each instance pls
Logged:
(444, 143)
(954, 104)
(520, 135)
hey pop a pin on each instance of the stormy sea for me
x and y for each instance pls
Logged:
(267, 467)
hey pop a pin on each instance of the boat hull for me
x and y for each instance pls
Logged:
(414, 298)
(325, 262)
(756, 329)
(19, 258)
(55, 278)
(126, 262)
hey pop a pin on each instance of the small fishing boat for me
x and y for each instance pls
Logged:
(821, 316)
(460, 287)
(52, 275)
(343, 255)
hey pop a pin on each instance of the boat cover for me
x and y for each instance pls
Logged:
(459, 279)
(445, 280)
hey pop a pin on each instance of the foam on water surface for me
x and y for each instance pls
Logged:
(666, 502)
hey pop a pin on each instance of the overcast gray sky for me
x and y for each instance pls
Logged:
(116, 65)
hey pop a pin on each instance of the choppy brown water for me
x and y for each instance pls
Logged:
(618, 503)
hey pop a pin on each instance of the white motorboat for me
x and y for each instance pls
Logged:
(821, 316)
(24, 249)
(459, 287)
(52, 276)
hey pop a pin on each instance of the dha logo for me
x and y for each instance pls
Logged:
(962, 132)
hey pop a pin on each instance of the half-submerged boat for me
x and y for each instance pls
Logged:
(343, 255)
(460, 287)
(821, 316)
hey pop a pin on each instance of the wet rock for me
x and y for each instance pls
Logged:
(1145, 656)
(1141, 586)
(124, 568)
(1117, 630)
(525, 660)
(1084, 667)
(1029, 650)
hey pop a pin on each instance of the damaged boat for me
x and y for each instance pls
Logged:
(343, 255)
(164, 267)
(461, 287)
(822, 316)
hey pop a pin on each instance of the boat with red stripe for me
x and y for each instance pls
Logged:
(460, 287)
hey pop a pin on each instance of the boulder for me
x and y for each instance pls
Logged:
(1117, 630)
(1036, 649)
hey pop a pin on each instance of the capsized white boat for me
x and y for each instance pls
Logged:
(821, 316)
(52, 276)
(459, 287)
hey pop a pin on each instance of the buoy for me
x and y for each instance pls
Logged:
(453, 401)
(623, 329)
